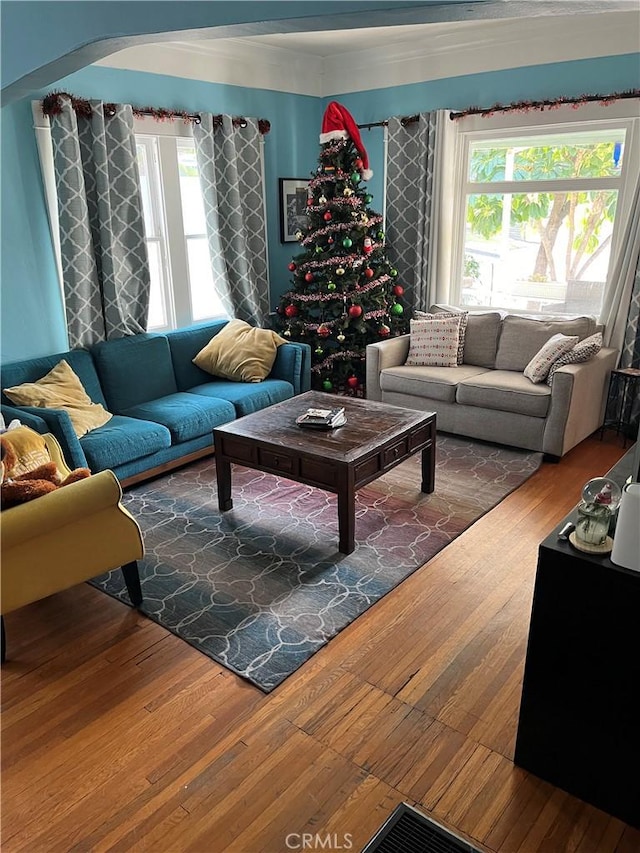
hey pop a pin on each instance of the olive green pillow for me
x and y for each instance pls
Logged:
(62, 389)
(240, 352)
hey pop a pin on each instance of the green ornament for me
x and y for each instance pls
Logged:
(355, 177)
(380, 235)
(396, 308)
(368, 198)
(318, 249)
(318, 350)
(393, 272)
(331, 285)
(347, 242)
(327, 385)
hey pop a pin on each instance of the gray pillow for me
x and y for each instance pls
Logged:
(582, 351)
(481, 334)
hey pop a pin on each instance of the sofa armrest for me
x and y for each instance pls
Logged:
(578, 400)
(59, 424)
(25, 417)
(383, 354)
(293, 364)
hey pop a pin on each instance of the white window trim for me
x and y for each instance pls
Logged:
(504, 125)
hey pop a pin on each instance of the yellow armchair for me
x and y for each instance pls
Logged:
(64, 538)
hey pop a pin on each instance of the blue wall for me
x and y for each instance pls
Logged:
(32, 318)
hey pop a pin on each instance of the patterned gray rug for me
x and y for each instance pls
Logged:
(262, 587)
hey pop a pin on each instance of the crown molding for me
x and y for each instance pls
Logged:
(439, 51)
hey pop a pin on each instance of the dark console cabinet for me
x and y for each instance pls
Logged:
(579, 725)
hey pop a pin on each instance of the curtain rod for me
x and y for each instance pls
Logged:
(526, 106)
(403, 121)
(52, 105)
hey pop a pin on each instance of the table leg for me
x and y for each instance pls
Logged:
(429, 468)
(347, 518)
(223, 476)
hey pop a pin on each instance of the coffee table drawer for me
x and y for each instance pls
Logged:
(237, 449)
(277, 461)
(419, 436)
(394, 453)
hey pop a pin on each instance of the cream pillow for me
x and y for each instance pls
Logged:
(538, 368)
(434, 343)
(443, 315)
(240, 352)
(61, 389)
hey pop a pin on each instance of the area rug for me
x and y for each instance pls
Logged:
(262, 587)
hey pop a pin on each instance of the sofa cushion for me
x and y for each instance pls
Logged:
(425, 315)
(434, 342)
(60, 388)
(246, 397)
(522, 337)
(481, 338)
(185, 344)
(123, 440)
(538, 368)
(32, 369)
(240, 352)
(505, 391)
(581, 352)
(184, 415)
(433, 383)
(134, 369)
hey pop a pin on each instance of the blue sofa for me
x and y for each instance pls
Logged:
(164, 407)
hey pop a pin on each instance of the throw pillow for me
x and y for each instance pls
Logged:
(434, 343)
(582, 351)
(62, 389)
(538, 368)
(240, 352)
(443, 315)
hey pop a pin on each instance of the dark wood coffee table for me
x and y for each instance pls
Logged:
(376, 438)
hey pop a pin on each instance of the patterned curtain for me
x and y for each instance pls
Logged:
(631, 349)
(104, 255)
(231, 175)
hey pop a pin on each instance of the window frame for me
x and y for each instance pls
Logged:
(504, 126)
(165, 137)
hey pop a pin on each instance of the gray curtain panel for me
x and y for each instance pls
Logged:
(630, 356)
(410, 168)
(231, 176)
(104, 256)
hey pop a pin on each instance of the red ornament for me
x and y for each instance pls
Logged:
(331, 241)
(384, 331)
(324, 331)
(355, 310)
(309, 202)
(308, 276)
(359, 164)
(369, 272)
(291, 310)
(398, 290)
(291, 266)
(353, 382)
(327, 216)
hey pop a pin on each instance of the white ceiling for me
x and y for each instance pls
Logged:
(332, 62)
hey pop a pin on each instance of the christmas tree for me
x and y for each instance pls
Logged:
(345, 294)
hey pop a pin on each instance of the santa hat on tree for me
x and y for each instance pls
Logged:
(338, 123)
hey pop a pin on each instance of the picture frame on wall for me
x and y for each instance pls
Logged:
(293, 206)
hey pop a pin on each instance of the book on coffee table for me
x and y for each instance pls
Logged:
(322, 418)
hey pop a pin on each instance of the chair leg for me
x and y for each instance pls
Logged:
(132, 580)
(3, 641)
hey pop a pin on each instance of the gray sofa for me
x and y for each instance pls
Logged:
(487, 396)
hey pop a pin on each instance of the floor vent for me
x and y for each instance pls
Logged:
(409, 831)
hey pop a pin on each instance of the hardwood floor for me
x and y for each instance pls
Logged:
(118, 736)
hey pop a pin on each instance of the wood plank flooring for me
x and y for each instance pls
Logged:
(117, 736)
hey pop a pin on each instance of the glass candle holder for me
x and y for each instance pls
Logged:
(592, 526)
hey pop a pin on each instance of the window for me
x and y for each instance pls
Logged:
(182, 284)
(539, 212)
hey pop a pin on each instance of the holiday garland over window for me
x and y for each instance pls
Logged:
(345, 293)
